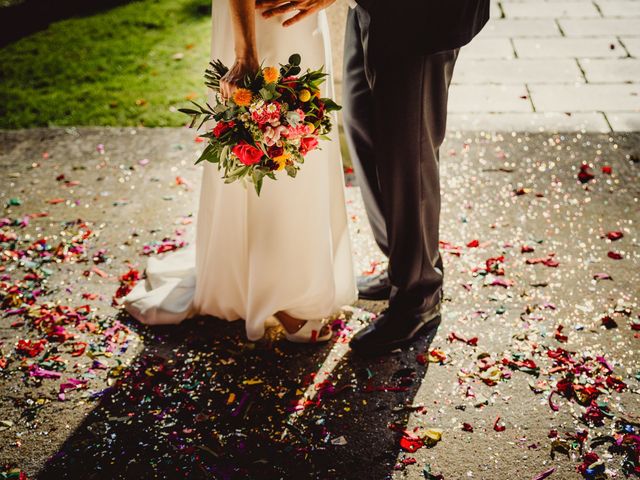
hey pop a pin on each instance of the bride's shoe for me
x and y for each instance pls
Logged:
(309, 332)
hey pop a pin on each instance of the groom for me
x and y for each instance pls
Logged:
(398, 62)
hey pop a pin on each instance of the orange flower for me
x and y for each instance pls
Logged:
(242, 97)
(270, 74)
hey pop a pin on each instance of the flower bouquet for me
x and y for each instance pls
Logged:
(269, 124)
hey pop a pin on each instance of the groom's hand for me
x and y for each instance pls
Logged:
(280, 7)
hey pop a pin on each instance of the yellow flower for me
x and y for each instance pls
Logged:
(270, 74)
(304, 95)
(242, 97)
(281, 160)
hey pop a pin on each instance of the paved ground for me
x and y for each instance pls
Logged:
(533, 370)
(568, 65)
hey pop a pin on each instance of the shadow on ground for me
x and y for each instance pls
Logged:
(202, 402)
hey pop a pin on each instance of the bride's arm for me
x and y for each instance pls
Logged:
(244, 35)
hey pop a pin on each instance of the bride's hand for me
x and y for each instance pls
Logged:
(236, 74)
(304, 8)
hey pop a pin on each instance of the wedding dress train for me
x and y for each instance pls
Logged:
(287, 250)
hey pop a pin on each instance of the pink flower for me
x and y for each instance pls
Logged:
(266, 113)
(298, 131)
(272, 135)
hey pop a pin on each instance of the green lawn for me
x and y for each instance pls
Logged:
(131, 65)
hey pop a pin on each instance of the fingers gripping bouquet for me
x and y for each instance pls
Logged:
(269, 124)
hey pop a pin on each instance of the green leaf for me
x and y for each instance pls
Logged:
(224, 153)
(258, 177)
(292, 171)
(330, 105)
(266, 94)
(295, 59)
(189, 111)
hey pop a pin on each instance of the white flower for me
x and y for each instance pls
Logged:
(272, 135)
(293, 118)
(255, 106)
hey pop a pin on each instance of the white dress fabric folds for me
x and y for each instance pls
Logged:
(287, 250)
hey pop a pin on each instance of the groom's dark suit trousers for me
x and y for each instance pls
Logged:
(395, 110)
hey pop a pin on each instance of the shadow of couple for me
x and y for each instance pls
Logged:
(200, 401)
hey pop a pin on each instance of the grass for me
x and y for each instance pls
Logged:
(117, 67)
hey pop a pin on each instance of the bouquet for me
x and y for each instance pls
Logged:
(273, 119)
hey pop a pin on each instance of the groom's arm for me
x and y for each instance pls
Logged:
(280, 7)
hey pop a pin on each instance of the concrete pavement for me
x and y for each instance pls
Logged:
(540, 245)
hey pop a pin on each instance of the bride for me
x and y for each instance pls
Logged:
(284, 255)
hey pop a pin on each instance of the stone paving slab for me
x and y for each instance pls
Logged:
(569, 48)
(516, 71)
(615, 8)
(624, 122)
(607, 70)
(550, 10)
(488, 48)
(521, 27)
(489, 98)
(538, 122)
(585, 98)
(632, 44)
(574, 27)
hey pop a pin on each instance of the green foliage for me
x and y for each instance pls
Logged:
(131, 65)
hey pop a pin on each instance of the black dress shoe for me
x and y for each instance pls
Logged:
(374, 287)
(393, 329)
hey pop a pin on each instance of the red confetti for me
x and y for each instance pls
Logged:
(615, 235)
(29, 348)
(549, 261)
(545, 474)
(585, 173)
(608, 322)
(410, 443)
(559, 336)
(471, 341)
(602, 276)
(499, 427)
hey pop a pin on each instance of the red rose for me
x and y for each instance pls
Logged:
(307, 144)
(248, 154)
(222, 127)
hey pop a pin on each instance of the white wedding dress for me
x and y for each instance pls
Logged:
(287, 250)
